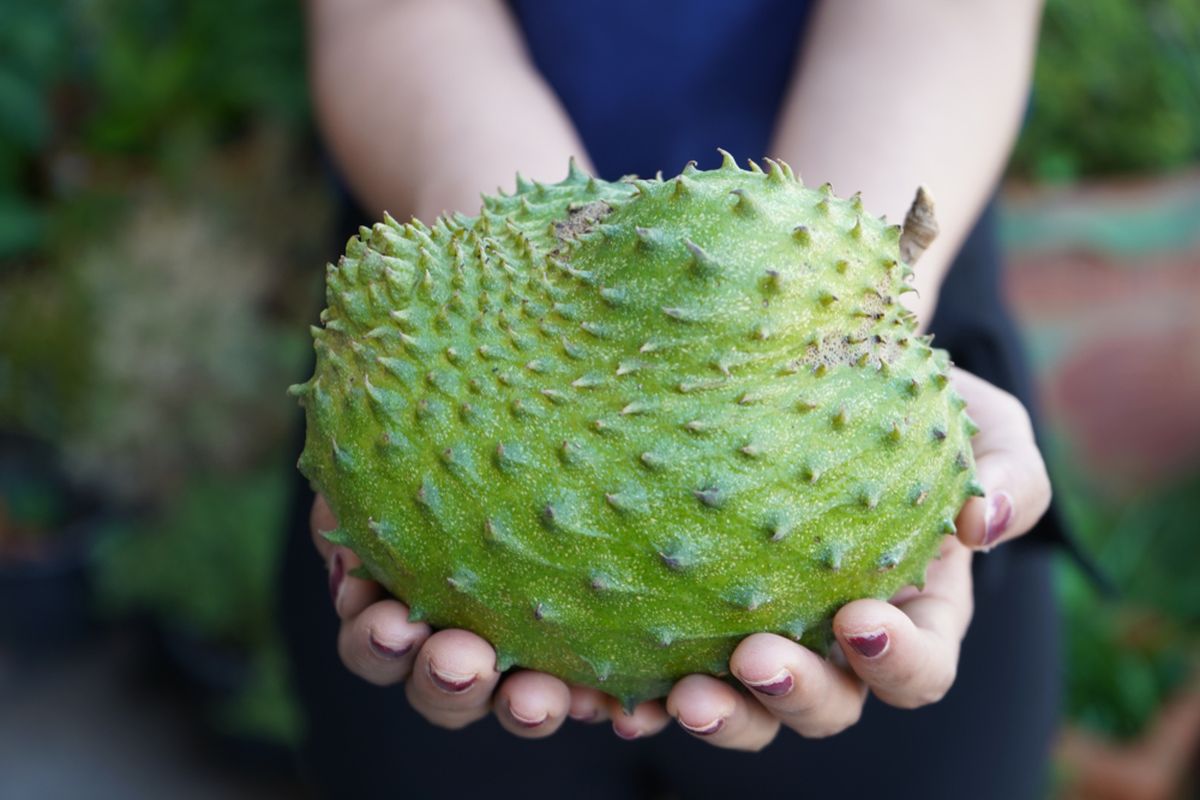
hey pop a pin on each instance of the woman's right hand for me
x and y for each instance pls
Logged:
(450, 675)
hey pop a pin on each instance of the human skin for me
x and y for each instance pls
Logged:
(425, 103)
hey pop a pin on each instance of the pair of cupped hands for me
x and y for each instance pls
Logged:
(904, 651)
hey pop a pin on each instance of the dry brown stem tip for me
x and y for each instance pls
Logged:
(920, 227)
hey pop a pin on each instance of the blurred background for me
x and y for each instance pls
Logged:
(164, 216)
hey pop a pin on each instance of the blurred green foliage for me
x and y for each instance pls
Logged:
(206, 562)
(1126, 654)
(1146, 544)
(44, 368)
(1116, 89)
(155, 82)
(32, 54)
(1122, 663)
(207, 566)
(198, 68)
(99, 98)
(162, 224)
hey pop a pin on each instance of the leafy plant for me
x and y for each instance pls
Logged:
(1123, 662)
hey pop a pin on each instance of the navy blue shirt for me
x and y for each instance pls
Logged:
(653, 84)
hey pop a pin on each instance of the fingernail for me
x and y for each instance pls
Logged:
(586, 716)
(527, 722)
(629, 737)
(337, 573)
(703, 730)
(869, 645)
(386, 651)
(997, 517)
(450, 682)
(777, 685)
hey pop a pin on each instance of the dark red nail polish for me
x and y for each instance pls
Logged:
(774, 687)
(450, 683)
(337, 573)
(629, 737)
(527, 722)
(869, 645)
(704, 730)
(387, 652)
(999, 515)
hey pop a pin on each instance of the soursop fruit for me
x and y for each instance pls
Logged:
(614, 428)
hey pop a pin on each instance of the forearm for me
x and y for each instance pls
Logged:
(426, 103)
(891, 95)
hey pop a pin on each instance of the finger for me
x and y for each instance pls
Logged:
(946, 570)
(646, 719)
(712, 710)
(588, 705)
(320, 522)
(453, 678)
(380, 644)
(1008, 465)
(908, 655)
(532, 704)
(350, 595)
(807, 693)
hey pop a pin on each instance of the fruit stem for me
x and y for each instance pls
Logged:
(920, 227)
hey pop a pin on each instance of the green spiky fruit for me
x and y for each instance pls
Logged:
(616, 427)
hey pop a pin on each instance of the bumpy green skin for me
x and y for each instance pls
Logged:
(616, 427)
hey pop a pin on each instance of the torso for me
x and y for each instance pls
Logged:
(653, 85)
